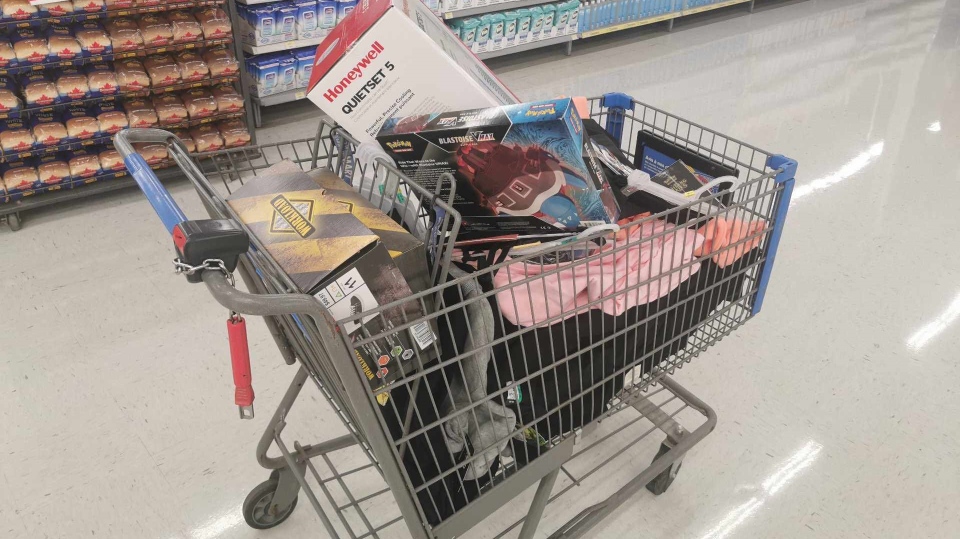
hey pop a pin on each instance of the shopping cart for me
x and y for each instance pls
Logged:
(509, 401)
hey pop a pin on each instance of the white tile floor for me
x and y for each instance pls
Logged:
(837, 406)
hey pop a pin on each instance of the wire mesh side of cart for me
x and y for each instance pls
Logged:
(570, 344)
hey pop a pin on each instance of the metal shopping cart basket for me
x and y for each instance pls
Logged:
(524, 386)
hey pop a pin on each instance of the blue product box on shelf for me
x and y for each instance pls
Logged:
(344, 7)
(260, 28)
(327, 14)
(286, 28)
(521, 170)
(304, 59)
(308, 23)
(287, 72)
(264, 71)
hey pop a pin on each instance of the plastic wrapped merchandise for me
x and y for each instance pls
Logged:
(102, 80)
(110, 161)
(145, 3)
(131, 75)
(84, 164)
(214, 23)
(170, 109)
(228, 99)
(15, 136)
(113, 5)
(200, 103)
(110, 118)
(72, 85)
(9, 100)
(18, 10)
(220, 61)
(88, 6)
(81, 124)
(48, 129)
(186, 139)
(140, 113)
(125, 34)
(155, 29)
(62, 44)
(185, 27)
(8, 58)
(152, 152)
(192, 66)
(29, 46)
(57, 9)
(163, 70)
(207, 138)
(93, 39)
(234, 133)
(38, 90)
(52, 169)
(20, 176)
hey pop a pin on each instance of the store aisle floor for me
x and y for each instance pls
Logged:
(837, 405)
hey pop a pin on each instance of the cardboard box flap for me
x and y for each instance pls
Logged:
(342, 38)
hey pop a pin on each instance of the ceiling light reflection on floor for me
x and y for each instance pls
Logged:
(935, 127)
(852, 167)
(774, 483)
(925, 334)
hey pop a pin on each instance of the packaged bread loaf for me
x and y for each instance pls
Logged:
(72, 85)
(162, 69)
(81, 123)
(145, 3)
(8, 58)
(220, 61)
(185, 138)
(131, 75)
(234, 133)
(228, 99)
(200, 103)
(53, 169)
(185, 27)
(18, 10)
(15, 136)
(192, 66)
(140, 113)
(102, 80)
(9, 100)
(84, 164)
(113, 5)
(206, 138)
(56, 9)
(48, 129)
(93, 38)
(125, 34)
(110, 118)
(155, 29)
(170, 109)
(110, 161)
(29, 46)
(38, 90)
(152, 152)
(20, 176)
(214, 23)
(62, 44)
(88, 6)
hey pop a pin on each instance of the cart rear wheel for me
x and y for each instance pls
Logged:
(259, 510)
(13, 221)
(662, 482)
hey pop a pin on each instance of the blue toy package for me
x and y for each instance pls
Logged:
(264, 74)
(304, 65)
(344, 8)
(327, 14)
(287, 72)
(308, 25)
(521, 170)
(286, 28)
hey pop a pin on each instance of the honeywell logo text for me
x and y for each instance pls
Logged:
(354, 73)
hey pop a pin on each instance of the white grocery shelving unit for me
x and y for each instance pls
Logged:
(282, 46)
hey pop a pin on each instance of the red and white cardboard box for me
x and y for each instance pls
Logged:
(397, 58)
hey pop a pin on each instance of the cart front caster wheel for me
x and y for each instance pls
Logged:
(662, 482)
(259, 510)
(13, 221)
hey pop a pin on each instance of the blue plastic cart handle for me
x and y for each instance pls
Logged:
(158, 196)
(786, 176)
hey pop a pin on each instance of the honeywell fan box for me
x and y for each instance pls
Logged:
(396, 58)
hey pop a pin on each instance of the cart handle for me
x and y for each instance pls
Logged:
(167, 209)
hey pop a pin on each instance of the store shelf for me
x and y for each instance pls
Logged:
(100, 58)
(282, 97)
(528, 46)
(659, 18)
(105, 14)
(28, 111)
(283, 46)
(491, 8)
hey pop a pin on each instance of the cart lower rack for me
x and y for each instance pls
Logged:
(534, 352)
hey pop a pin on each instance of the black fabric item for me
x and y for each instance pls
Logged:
(667, 330)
